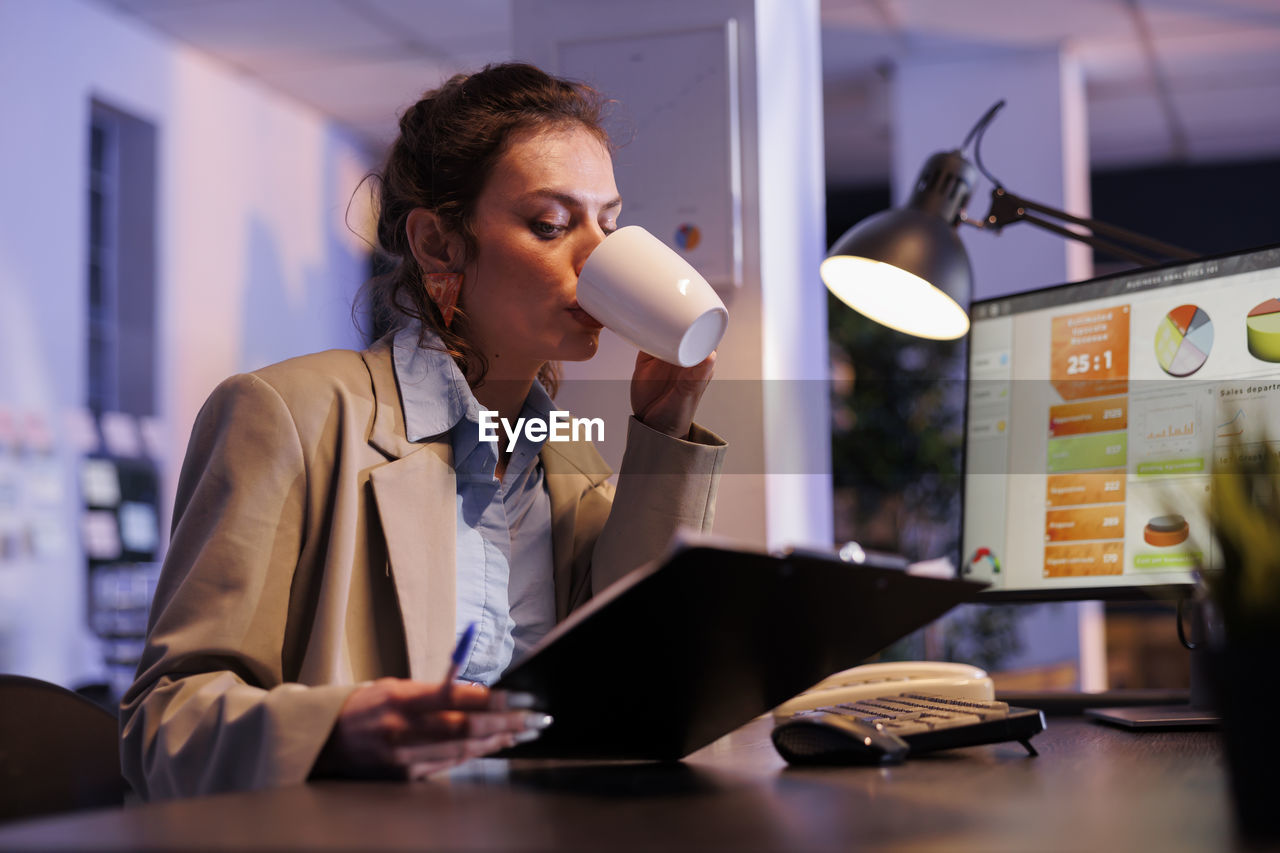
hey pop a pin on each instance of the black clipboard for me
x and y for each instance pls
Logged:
(679, 653)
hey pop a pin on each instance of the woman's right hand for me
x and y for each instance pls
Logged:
(399, 725)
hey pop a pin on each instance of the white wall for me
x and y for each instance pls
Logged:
(254, 265)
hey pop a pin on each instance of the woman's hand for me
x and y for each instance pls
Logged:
(665, 396)
(395, 724)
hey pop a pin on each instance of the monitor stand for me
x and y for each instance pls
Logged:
(1198, 713)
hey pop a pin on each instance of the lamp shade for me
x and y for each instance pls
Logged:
(906, 268)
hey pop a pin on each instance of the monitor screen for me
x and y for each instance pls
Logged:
(1096, 413)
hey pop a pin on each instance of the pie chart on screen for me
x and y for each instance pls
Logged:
(1263, 328)
(1183, 340)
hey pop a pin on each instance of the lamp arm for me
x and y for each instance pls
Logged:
(1007, 208)
(1113, 249)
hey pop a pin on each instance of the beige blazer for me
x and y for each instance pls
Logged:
(313, 549)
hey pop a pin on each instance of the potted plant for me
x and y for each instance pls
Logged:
(1243, 590)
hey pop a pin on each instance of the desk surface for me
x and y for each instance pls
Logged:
(1092, 788)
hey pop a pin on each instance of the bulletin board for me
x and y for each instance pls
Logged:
(675, 121)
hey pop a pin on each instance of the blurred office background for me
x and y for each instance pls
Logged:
(183, 199)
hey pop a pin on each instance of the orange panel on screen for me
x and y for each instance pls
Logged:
(1094, 487)
(1110, 413)
(1089, 355)
(1085, 558)
(1091, 522)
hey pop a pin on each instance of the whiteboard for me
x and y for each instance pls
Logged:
(674, 120)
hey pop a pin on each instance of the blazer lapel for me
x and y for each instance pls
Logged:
(415, 496)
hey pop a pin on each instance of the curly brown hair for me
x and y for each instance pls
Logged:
(449, 142)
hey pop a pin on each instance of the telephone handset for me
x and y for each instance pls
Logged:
(957, 680)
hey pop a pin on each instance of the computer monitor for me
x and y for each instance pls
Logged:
(1096, 414)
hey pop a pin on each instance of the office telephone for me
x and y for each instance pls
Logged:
(872, 680)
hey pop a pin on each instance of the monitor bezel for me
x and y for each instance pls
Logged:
(1147, 592)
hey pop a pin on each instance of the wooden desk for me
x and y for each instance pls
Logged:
(1092, 788)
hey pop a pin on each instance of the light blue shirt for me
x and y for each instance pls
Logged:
(504, 560)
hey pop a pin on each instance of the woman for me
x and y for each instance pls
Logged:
(338, 522)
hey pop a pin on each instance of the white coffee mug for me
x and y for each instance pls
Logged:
(640, 288)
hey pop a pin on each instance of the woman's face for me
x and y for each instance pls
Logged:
(549, 201)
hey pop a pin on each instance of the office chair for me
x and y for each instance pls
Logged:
(58, 751)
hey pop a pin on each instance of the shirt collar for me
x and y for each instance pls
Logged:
(435, 394)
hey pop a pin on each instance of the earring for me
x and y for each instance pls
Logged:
(443, 289)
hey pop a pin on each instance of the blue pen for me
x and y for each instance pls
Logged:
(461, 653)
(534, 722)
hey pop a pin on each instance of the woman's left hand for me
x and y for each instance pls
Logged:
(665, 396)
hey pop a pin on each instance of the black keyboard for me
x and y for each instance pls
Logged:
(888, 729)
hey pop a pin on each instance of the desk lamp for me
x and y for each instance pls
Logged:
(907, 269)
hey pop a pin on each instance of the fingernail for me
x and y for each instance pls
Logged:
(517, 700)
(537, 721)
(526, 735)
